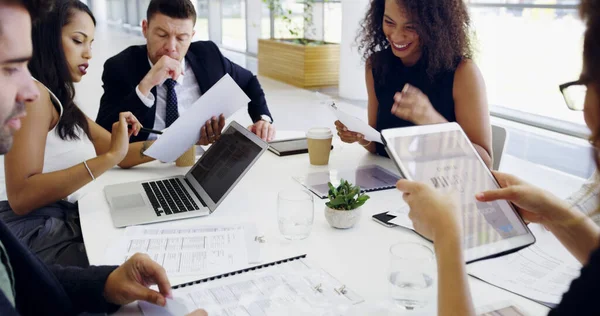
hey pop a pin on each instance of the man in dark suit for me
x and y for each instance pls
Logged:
(27, 285)
(158, 81)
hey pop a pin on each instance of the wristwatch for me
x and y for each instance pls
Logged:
(266, 118)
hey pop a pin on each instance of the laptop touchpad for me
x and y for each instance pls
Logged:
(128, 201)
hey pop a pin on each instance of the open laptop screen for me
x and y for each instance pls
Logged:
(221, 166)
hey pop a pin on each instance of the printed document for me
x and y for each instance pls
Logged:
(542, 272)
(182, 251)
(291, 288)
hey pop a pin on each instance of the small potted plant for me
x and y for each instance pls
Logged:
(343, 209)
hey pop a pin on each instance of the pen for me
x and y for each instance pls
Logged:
(148, 130)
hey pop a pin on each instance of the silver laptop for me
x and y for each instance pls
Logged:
(198, 193)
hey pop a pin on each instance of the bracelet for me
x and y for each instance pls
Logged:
(88, 169)
(369, 143)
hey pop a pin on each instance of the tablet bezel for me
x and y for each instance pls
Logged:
(482, 252)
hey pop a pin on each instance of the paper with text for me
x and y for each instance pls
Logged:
(290, 288)
(541, 272)
(225, 97)
(356, 125)
(183, 251)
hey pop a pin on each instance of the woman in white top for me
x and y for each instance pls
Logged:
(59, 150)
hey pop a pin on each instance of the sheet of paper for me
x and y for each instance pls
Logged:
(184, 251)
(586, 198)
(291, 288)
(368, 178)
(225, 97)
(173, 307)
(401, 218)
(500, 309)
(357, 125)
(541, 272)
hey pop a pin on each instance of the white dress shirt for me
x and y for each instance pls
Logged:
(187, 90)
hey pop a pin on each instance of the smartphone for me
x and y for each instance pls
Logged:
(384, 219)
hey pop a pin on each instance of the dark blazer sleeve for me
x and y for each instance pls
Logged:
(85, 287)
(582, 296)
(249, 84)
(40, 290)
(119, 80)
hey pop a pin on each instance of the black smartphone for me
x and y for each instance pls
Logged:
(384, 219)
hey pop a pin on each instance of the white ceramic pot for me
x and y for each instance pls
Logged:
(342, 219)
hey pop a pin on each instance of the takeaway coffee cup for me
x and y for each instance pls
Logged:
(319, 145)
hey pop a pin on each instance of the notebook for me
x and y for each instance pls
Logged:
(292, 286)
(288, 147)
(368, 178)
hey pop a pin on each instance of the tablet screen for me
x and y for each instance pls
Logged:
(448, 162)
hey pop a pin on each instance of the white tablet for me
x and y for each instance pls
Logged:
(442, 156)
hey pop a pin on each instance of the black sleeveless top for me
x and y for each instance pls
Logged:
(393, 78)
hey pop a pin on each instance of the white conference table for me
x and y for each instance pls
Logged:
(358, 257)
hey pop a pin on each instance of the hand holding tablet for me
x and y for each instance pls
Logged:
(451, 174)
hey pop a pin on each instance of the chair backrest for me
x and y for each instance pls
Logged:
(498, 143)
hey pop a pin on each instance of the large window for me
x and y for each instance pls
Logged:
(525, 50)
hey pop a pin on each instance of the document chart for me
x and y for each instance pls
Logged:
(446, 161)
(185, 251)
(291, 288)
(541, 272)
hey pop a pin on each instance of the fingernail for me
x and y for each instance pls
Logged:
(161, 301)
(345, 129)
(479, 196)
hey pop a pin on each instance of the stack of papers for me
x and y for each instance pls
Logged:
(542, 272)
(184, 251)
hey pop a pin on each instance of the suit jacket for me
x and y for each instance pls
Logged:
(55, 290)
(123, 72)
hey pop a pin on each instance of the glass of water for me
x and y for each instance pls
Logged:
(412, 275)
(295, 213)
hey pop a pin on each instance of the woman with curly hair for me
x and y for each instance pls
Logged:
(419, 71)
(439, 220)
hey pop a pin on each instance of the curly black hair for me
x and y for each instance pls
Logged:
(443, 27)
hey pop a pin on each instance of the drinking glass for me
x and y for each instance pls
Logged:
(295, 213)
(412, 275)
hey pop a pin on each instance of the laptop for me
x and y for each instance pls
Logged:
(198, 193)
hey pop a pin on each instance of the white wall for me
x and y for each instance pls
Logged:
(352, 69)
(214, 21)
(100, 11)
(253, 25)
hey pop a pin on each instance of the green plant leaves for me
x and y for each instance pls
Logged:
(346, 196)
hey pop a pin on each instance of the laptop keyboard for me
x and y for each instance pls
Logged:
(169, 197)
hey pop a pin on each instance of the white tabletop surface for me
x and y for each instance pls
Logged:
(358, 256)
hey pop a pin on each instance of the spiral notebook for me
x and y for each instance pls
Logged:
(285, 287)
(368, 178)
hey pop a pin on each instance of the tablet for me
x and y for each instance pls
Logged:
(289, 146)
(442, 156)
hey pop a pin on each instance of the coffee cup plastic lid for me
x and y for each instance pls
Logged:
(319, 133)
